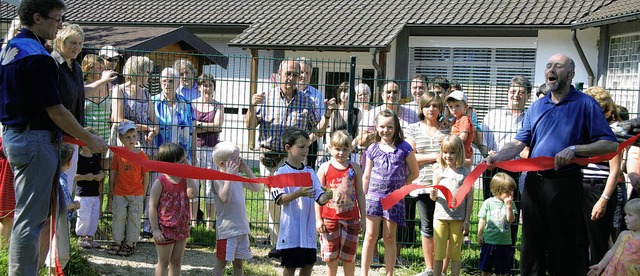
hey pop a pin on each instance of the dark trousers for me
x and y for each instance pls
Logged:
(554, 235)
(599, 231)
(486, 189)
(313, 154)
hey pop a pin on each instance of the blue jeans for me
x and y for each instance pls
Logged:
(33, 155)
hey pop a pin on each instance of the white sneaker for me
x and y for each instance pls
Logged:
(425, 272)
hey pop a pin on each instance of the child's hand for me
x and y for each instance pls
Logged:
(306, 192)
(508, 200)
(320, 226)
(327, 192)
(157, 235)
(232, 166)
(595, 270)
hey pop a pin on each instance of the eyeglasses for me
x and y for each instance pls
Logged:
(59, 20)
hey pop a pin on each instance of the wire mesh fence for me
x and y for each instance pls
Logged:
(217, 96)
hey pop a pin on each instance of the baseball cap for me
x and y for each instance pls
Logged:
(108, 51)
(126, 126)
(458, 95)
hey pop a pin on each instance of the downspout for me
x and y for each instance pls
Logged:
(583, 58)
(374, 62)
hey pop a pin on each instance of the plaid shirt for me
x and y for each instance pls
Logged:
(276, 114)
(65, 191)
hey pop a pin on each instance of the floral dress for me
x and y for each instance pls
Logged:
(626, 260)
(173, 209)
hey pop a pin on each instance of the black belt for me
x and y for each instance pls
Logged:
(594, 181)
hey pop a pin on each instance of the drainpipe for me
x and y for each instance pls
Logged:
(583, 58)
(376, 65)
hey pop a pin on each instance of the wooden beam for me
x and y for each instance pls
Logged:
(253, 89)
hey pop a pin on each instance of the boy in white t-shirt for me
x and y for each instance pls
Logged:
(232, 224)
(297, 240)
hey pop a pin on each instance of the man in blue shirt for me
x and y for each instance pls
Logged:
(564, 124)
(32, 115)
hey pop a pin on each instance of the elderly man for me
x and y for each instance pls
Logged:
(306, 70)
(418, 86)
(274, 112)
(564, 124)
(33, 115)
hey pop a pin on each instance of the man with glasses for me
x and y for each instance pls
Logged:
(275, 111)
(33, 116)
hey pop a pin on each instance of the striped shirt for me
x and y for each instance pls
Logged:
(425, 144)
(98, 115)
(276, 114)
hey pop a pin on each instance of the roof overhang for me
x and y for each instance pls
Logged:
(150, 39)
(606, 21)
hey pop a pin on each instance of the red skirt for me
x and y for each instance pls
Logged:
(7, 191)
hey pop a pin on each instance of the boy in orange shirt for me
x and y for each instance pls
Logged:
(128, 183)
(462, 126)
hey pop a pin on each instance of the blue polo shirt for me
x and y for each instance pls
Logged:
(28, 82)
(548, 128)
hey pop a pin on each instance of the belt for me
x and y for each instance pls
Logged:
(27, 127)
(594, 181)
(559, 174)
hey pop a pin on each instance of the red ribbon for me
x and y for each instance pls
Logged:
(520, 165)
(187, 171)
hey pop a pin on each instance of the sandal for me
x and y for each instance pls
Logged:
(126, 250)
(114, 249)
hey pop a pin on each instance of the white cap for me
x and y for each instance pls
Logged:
(458, 95)
(126, 126)
(108, 51)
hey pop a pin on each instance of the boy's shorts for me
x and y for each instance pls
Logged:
(234, 248)
(341, 240)
(496, 258)
(297, 257)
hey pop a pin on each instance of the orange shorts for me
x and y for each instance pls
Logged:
(341, 240)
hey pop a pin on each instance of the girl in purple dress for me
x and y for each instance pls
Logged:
(391, 163)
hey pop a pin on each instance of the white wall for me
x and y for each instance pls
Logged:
(552, 42)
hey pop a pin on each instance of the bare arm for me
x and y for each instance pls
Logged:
(250, 119)
(423, 158)
(508, 152)
(91, 89)
(596, 269)
(304, 191)
(117, 105)
(145, 182)
(193, 186)
(65, 120)
(244, 168)
(223, 189)
(599, 147)
(600, 207)
(481, 225)
(330, 107)
(319, 221)
(360, 196)
(367, 175)
(412, 164)
(154, 198)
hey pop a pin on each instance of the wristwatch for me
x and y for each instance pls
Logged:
(573, 148)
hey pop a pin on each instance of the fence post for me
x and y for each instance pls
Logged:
(352, 92)
(253, 89)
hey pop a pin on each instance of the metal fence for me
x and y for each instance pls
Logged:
(233, 89)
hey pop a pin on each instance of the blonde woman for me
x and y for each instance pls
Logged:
(131, 101)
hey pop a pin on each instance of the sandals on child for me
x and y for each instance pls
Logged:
(114, 249)
(126, 250)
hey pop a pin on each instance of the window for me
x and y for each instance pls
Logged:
(623, 73)
(483, 72)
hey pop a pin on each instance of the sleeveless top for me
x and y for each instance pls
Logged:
(344, 204)
(207, 139)
(173, 209)
(98, 115)
(137, 110)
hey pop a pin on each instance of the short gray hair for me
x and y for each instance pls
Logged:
(304, 61)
